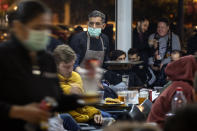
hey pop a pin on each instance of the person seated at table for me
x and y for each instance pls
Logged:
(161, 80)
(114, 77)
(181, 72)
(71, 83)
(142, 70)
(117, 55)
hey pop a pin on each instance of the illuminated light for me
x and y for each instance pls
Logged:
(171, 15)
(71, 29)
(85, 29)
(194, 1)
(2, 37)
(5, 34)
(5, 6)
(195, 27)
(114, 29)
(15, 7)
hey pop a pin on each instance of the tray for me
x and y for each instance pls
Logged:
(123, 62)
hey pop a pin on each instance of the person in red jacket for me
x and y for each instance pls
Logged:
(181, 73)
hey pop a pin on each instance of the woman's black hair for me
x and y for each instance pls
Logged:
(30, 9)
(133, 51)
(116, 53)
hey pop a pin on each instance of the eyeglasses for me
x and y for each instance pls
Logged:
(95, 23)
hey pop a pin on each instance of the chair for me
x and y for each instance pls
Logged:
(147, 104)
(136, 114)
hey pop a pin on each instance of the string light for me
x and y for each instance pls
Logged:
(15, 7)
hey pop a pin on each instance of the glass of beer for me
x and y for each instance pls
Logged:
(143, 95)
(122, 95)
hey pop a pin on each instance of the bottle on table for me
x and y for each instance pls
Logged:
(178, 100)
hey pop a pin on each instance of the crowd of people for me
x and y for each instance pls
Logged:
(40, 63)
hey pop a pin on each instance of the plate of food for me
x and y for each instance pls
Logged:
(113, 102)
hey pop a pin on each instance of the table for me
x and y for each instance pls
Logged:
(121, 65)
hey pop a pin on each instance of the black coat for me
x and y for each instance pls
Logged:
(141, 45)
(19, 86)
(145, 73)
(115, 77)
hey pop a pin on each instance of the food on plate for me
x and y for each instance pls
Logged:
(112, 101)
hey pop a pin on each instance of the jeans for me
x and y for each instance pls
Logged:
(69, 123)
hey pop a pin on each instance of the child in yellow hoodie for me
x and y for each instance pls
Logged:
(71, 83)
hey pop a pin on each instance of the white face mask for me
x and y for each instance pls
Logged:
(94, 32)
(37, 40)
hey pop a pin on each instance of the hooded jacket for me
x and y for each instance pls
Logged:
(181, 73)
(81, 114)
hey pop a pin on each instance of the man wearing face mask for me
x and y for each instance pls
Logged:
(91, 44)
(27, 71)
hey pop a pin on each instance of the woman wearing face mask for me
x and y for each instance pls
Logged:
(27, 72)
(91, 44)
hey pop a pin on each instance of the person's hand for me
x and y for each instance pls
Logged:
(80, 70)
(77, 69)
(98, 119)
(30, 113)
(150, 42)
(75, 89)
(153, 43)
(158, 57)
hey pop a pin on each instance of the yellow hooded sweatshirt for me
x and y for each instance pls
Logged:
(83, 114)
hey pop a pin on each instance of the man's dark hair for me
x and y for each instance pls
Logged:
(142, 19)
(97, 13)
(176, 51)
(116, 53)
(133, 51)
(30, 9)
(165, 20)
